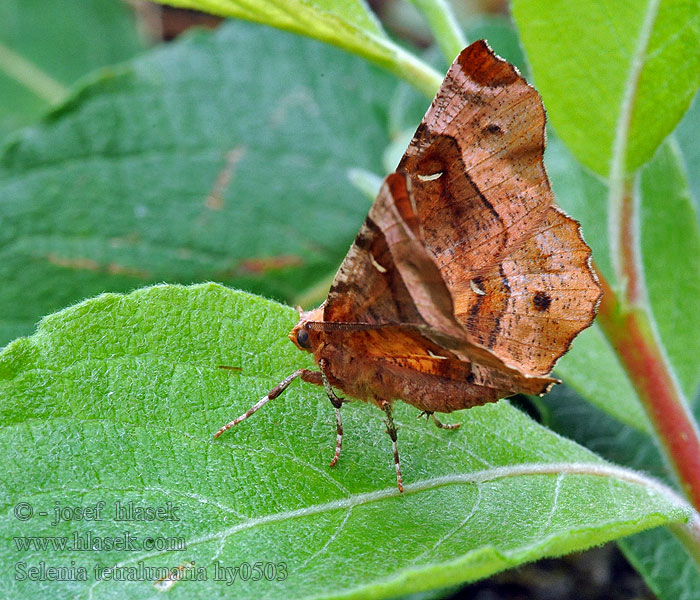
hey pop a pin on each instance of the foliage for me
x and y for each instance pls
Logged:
(45, 47)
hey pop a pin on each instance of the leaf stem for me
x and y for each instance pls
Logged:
(619, 181)
(629, 264)
(30, 76)
(444, 26)
(417, 72)
(627, 320)
(630, 330)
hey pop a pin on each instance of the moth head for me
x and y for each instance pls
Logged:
(302, 335)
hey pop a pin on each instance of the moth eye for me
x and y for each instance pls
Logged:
(303, 338)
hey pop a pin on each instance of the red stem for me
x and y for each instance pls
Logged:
(630, 333)
(629, 246)
(627, 322)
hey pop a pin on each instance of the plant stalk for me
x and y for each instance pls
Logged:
(415, 71)
(444, 26)
(627, 321)
(31, 76)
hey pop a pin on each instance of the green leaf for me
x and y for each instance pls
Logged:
(591, 366)
(615, 81)
(189, 164)
(658, 555)
(118, 397)
(660, 558)
(686, 134)
(348, 24)
(670, 237)
(47, 46)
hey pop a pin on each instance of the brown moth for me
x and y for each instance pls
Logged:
(465, 283)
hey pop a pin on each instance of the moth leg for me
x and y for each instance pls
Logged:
(424, 413)
(337, 403)
(391, 430)
(305, 374)
(442, 425)
(427, 414)
(338, 430)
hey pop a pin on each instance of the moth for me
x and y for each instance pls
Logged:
(465, 283)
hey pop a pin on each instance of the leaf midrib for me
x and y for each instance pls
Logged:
(629, 97)
(587, 469)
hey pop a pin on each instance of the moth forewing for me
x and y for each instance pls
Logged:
(465, 283)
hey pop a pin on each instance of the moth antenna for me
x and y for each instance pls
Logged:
(271, 395)
(344, 325)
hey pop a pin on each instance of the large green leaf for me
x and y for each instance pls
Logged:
(686, 134)
(220, 157)
(658, 555)
(670, 237)
(615, 79)
(46, 46)
(663, 562)
(591, 366)
(118, 397)
(348, 24)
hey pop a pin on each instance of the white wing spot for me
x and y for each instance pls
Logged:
(476, 289)
(376, 264)
(432, 177)
(432, 355)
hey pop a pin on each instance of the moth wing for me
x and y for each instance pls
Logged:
(393, 293)
(475, 163)
(396, 362)
(528, 307)
(439, 381)
(369, 288)
(484, 211)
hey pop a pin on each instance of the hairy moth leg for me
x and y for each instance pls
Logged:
(337, 403)
(391, 430)
(428, 414)
(442, 425)
(306, 375)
